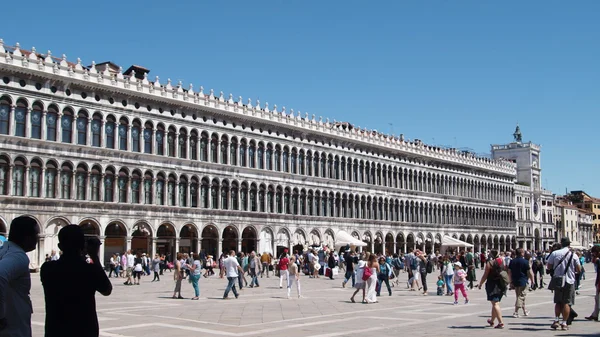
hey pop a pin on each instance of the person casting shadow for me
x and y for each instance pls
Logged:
(15, 279)
(70, 285)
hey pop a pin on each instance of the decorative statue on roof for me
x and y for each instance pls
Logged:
(517, 134)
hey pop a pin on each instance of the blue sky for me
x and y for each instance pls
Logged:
(457, 73)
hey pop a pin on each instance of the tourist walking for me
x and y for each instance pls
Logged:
(130, 263)
(283, 269)
(177, 277)
(448, 273)
(519, 272)
(350, 260)
(294, 277)
(70, 285)
(195, 271)
(596, 261)
(232, 268)
(564, 264)
(156, 267)
(254, 269)
(494, 287)
(459, 278)
(373, 266)
(113, 266)
(265, 260)
(15, 278)
(424, 268)
(360, 283)
(138, 269)
(385, 270)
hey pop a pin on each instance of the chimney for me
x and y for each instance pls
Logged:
(139, 71)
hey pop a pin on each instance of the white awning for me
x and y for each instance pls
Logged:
(577, 245)
(342, 238)
(448, 241)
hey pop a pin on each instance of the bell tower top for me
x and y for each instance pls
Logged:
(517, 135)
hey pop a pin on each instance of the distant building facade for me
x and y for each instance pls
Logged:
(591, 204)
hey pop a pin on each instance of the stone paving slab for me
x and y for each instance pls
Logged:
(325, 310)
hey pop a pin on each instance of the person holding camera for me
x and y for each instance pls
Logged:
(564, 264)
(70, 285)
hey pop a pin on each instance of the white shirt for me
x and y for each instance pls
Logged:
(55, 257)
(559, 269)
(231, 265)
(130, 260)
(15, 284)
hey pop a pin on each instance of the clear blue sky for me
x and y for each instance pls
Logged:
(447, 72)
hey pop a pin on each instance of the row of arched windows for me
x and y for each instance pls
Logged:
(97, 131)
(145, 187)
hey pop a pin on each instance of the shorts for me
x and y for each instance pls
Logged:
(129, 270)
(565, 295)
(521, 294)
(137, 274)
(415, 274)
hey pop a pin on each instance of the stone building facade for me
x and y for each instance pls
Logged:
(155, 167)
(533, 203)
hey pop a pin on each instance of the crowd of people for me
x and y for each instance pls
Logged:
(72, 276)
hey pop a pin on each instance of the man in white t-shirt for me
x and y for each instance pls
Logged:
(129, 270)
(232, 267)
(564, 297)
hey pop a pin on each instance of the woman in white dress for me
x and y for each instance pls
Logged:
(372, 281)
(360, 284)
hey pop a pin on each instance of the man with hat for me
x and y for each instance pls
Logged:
(70, 285)
(564, 264)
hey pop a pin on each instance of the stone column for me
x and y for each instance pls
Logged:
(101, 251)
(26, 182)
(219, 249)
(59, 128)
(10, 179)
(175, 197)
(239, 246)
(28, 123)
(153, 252)
(43, 126)
(74, 185)
(177, 240)
(101, 186)
(198, 245)
(128, 242)
(176, 145)
(153, 142)
(11, 121)
(43, 183)
(102, 135)
(88, 139)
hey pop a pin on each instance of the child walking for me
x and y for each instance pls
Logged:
(460, 277)
(440, 286)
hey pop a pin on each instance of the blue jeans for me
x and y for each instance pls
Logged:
(448, 279)
(194, 279)
(254, 280)
(230, 286)
(350, 274)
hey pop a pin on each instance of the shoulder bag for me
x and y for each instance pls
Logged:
(558, 281)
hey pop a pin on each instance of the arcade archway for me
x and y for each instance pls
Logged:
(389, 243)
(282, 241)
(210, 240)
(299, 242)
(249, 237)
(230, 240)
(165, 241)
(188, 241)
(141, 238)
(114, 239)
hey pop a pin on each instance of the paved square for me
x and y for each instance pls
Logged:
(325, 311)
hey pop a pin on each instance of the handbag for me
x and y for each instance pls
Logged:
(558, 282)
(366, 273)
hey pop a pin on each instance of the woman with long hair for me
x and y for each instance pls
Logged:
(371, 285)
(195, 271)
(493, 287)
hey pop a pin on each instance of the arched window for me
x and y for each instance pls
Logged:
(243, 196)
(51, 177)
(82, 127)
(95, 181)
(171, 139)
(18, 177)
(295, 202)
(261, 155)
(183, 143)
(261, 198)
(136, 178)
(20, 118)
(323, 165)
(148, 182)
(182, 191)
(66, 178)
(251, 155)
(243, 153)
(123, 130)
(81, 182)
(214, 194)
(270, 200)
(310, 203)
(171, 196)
(136, 131)
(294, 162)
(204, 193)
(224, 195)
(194, 145)
(279, 199)
(204, 146)
(214, 145)
(66, 124)
(4, 175)
(316, 164)
(160, 140)
(109, 185)
(109, 130)
(224, 148)
(148, 127)
(277, 158)
(318, 206)
(35, 177)
(303, 202)
(234, 196)
(233, 151)
(160, 189)
(5, 109)
(96, 130)
(194, 188)
(309, 165)
(123, 185)
(285, 159)
(301, 162)
(36, 120)
(253, 196)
